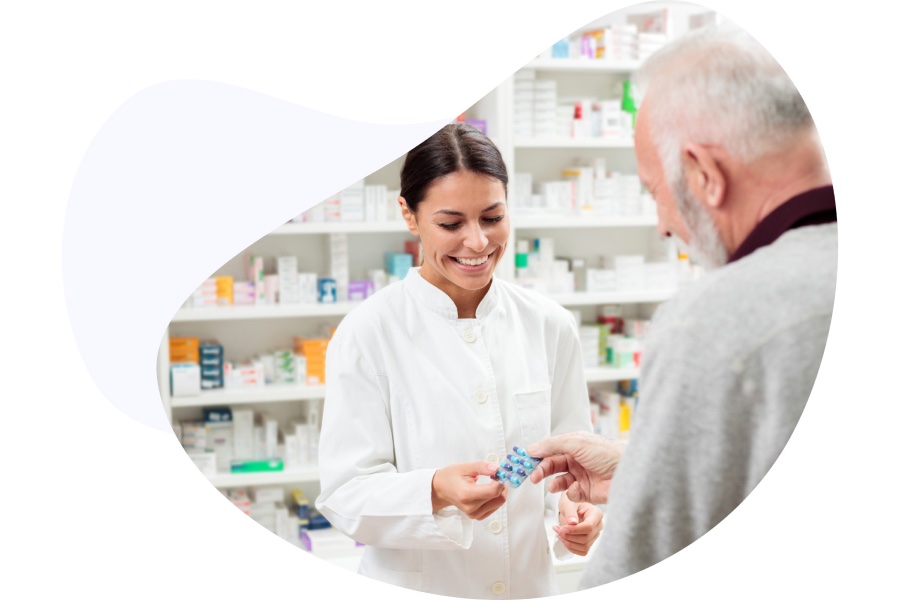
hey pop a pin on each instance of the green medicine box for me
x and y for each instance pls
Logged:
(257, 466)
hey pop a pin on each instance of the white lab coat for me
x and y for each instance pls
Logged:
(411, 388)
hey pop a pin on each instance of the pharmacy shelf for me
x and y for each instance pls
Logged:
(549, 142)
(581, 222)
(280, 311)
(624, 297)
(260, 395)
(291, 393)
(601, 374)
(267, 311)
(299, 475)
(560, 65)
(358, 227)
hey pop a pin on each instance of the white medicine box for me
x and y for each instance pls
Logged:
(185, 379)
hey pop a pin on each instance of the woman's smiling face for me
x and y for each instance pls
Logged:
(463, 228)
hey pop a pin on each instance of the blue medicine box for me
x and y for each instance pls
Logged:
(398, 263)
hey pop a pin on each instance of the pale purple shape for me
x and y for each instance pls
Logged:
(184, 176)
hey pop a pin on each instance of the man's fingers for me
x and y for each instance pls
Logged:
(566, 443)
(561, 483)
(574, 492)
(549, 466)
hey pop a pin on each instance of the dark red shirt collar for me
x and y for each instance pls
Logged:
(814, 207)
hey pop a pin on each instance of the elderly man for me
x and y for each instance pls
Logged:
(727, 147)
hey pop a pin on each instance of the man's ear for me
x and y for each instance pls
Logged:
(408, 216)
(704, 174)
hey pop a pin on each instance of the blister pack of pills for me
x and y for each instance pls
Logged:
(516, 468)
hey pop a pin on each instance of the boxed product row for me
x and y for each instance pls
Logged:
(358, 202)
(191, 372)
(244, 441)
(539, 269)
(612, 412)
(293, 521)
(585, 190)
(634, 40)
(612, 340)
(539, 111)
(289, 285)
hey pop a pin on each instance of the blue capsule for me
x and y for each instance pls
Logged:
(515, 469)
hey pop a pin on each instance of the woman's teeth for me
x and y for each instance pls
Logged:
(472, 262)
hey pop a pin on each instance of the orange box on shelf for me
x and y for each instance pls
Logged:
(192, 356)
(315, 377)
(184, 343)
(225, 290)
(315, 364)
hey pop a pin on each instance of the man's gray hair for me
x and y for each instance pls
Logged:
(718, 85)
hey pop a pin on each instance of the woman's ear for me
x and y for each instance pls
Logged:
(408, 216)
(703, 174)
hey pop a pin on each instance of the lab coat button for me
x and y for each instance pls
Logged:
(492, 457)
(498, 588)
(481, 396)
(496, 526)
(469, 335)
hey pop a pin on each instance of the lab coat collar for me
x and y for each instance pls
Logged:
(440, 303)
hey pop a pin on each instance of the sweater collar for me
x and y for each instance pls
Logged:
(813, 207)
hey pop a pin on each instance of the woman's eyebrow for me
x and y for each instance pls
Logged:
(455, 213)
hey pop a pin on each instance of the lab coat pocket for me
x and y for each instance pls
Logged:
(408, 579)
(534, 415)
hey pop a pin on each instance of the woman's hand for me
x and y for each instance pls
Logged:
(455, 486)
(579, 526)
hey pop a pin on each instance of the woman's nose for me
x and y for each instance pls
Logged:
(475, 238)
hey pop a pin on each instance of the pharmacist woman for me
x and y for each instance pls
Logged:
(432, 380)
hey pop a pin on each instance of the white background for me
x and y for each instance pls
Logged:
(96, 502)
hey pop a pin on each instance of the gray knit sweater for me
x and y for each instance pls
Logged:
(729, 365)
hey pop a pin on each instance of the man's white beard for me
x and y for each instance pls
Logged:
(706, 246)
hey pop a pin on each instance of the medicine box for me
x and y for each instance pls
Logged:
(217, 414)
(397, 263)
(184, 379)
(329, 542)
(242, 420)
(184, 356)
(267, 494)
(219, 437)
(257, 466)
(205, 461)
(183, 346)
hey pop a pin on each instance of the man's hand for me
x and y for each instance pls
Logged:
(587, 462)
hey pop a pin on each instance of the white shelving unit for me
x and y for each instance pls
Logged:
(526, 223)
(590, 143)
(274, 311)
(557, 65)
(248, 330)
(261, 395)
(312, 228)
(288, 476)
